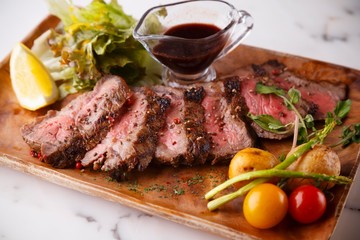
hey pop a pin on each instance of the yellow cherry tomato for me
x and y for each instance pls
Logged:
(250, 159)
(265, 206)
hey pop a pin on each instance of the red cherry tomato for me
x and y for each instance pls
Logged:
(307, 204)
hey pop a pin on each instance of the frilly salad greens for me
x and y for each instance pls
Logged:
(91, 41)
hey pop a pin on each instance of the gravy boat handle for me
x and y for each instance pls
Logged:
(243, 26)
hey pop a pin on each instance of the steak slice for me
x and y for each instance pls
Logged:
(132, 141)
(269, 104)
(199, 141)
(62, 137)
(173, 143)
(224, 109)
(320, 96)
(183, 140)
(317, 98)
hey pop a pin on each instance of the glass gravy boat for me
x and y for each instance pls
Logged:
(187, 37)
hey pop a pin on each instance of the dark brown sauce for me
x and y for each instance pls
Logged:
(192, 30)
(189, 57)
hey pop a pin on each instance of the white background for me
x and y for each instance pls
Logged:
(31, 208)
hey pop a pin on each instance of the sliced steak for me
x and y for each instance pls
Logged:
(132, 141)
(199, 141)
(318, 98)
(270, 104)
(117, 130)
(224, 109)
(183, 140)
(321, 96)
(173, 142)
(63, 137)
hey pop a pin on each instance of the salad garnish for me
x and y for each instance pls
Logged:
(92, 41)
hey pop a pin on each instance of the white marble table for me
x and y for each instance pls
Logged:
(31, 208)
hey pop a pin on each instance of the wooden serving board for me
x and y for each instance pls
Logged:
(177, 194)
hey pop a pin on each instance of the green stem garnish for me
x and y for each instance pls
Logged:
(271, 124)
(290, 98)
(350, 134)
(265, 175)
(277, 173)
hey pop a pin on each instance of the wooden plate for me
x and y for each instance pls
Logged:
(177, 193)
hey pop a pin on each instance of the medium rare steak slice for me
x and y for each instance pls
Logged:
(183, 140)
(317, 98)
(132, 141)
(270, 104)
(321, 96)
(224, 109)
(63, 137)
(173, 143)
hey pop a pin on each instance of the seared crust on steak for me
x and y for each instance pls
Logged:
(173, 142)
(224, 108)
(199, 142)
(204, 122)
(118, 130)
(63, 137)
(183, 140)
(317, 98)
(132, 141)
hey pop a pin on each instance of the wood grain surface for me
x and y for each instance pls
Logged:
(177, 194)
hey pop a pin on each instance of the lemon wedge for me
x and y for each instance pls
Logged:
(32, 83)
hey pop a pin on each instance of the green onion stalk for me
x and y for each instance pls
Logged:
(267, 174)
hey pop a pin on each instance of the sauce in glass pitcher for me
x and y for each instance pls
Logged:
(187, 57)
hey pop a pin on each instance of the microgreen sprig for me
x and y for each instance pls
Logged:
(290, 98)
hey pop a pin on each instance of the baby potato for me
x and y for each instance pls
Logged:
(250, 159)
(320, 159)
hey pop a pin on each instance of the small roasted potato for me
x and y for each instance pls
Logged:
(320, 159)
(250, 159)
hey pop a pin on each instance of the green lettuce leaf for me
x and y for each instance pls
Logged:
(95, 40)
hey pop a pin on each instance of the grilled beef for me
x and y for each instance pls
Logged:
(117, 130)
(199, 142)
(63, 137)
(173, 144)
(320, 96)
(183, 140)
(317, 98)
(132, 141)
(224, 108)
(204, 122)
(259, 104)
